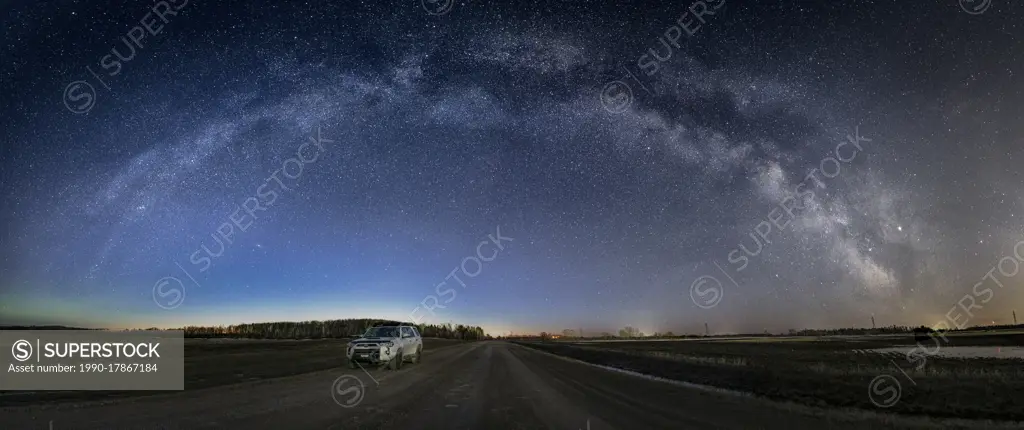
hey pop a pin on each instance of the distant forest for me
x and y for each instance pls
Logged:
(43, 327)
(328, 329)
(632, 333)
(304, 330)
(894, 329)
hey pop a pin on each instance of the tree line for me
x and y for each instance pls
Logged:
(631, 332)
(315, 329)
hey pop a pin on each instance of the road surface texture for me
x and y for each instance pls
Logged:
(482, 385)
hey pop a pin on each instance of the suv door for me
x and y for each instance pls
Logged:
(417, 340)
(408, 341)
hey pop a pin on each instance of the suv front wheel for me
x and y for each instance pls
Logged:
(396, 363)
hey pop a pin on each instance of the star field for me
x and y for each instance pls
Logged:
(619, 183)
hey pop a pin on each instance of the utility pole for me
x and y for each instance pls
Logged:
(706, 332)
(1014, 317)
(873, 322)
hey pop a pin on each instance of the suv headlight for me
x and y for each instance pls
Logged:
(388, 344)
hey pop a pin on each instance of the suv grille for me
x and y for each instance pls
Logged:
(368, 345)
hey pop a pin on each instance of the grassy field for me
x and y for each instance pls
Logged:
(831, 371)
(215, 362)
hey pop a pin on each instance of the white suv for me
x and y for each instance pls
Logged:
(390, 345)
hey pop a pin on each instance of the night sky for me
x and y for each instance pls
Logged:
(620, 169)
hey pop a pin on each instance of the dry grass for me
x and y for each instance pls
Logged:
(830, 372)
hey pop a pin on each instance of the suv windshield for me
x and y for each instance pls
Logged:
(382, 332)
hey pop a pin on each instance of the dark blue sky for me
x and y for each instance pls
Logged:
(619, 179)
